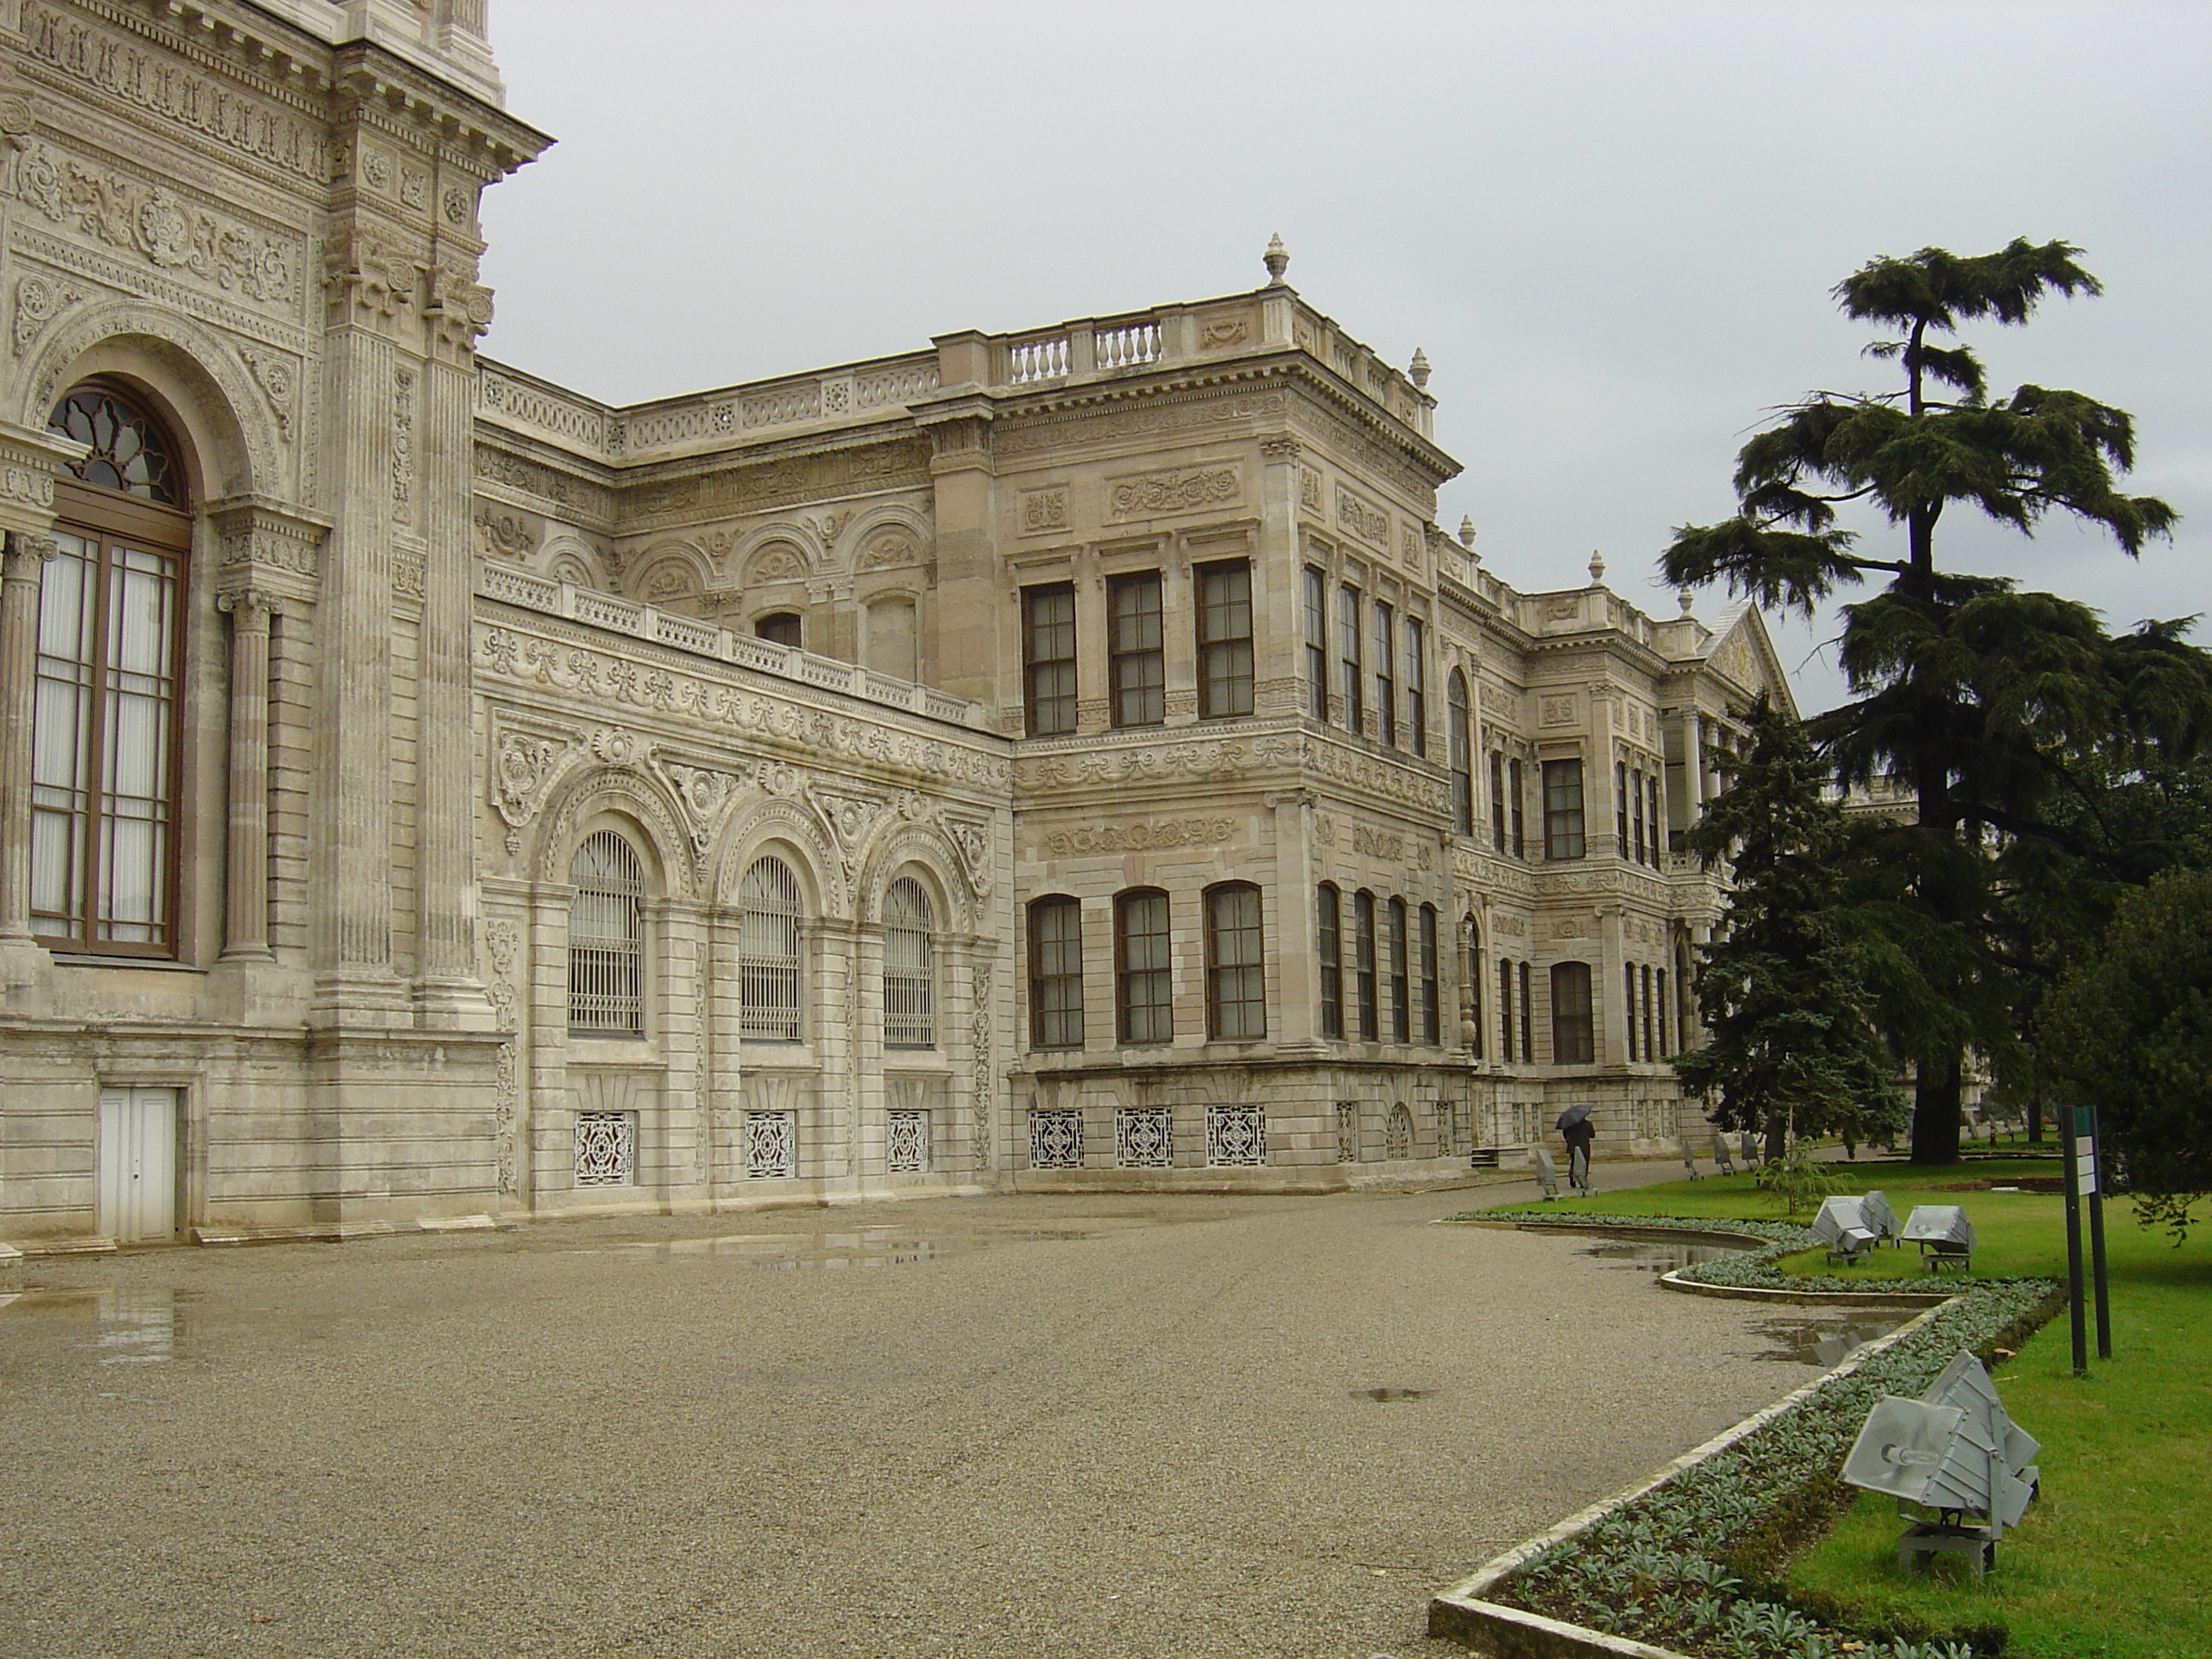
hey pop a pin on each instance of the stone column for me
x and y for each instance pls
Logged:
(21, 565)
(246, 908)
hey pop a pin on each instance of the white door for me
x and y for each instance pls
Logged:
(137, 1164)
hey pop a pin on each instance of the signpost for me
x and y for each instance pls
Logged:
(2078, 1125)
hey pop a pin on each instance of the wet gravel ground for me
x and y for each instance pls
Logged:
(1013, 1426)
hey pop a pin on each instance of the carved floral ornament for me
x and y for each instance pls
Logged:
(1186, 491)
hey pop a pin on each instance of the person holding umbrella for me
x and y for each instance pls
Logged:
(1575, 1125)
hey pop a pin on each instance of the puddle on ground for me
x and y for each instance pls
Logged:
(1385, 1396)
(864, 1247)
(1828, 1340)
(127, 1326)
(1656, 1257)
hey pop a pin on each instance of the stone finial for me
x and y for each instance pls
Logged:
(1687, 600)
(1418, 370)
(1467, 530)
(1277, 259)
(1597, 567)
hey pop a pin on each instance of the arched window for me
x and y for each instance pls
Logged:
(1461, 744)
(909, 968)
(1572, 1036)
(769, 952)
(1431, 993)
(1473, 931)
(778, 628)
(606, 938)
(105, 710)
(1401, 993)
(1329, 922)
(1363, 965)
(1143, 978)
(1055, 973)
(1235, 976)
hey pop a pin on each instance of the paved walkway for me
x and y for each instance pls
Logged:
(1087, 1426)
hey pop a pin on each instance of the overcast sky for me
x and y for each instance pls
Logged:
(1614, 227)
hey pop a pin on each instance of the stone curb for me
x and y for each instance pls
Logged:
(1462, 1614)
(1675, 1281)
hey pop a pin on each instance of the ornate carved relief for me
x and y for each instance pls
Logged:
(706, 795)
(1310, 489)
(1186, 491)
(1377, 843)
(1556, 711)
(794, 478)
(1147, 419)
(778, 562)
(1160, 762)
(407, 572)
(402, 443)
(505, 535)
(171, 233)
(527, 761)
(985, 1083)
(852, 816)
(971, 840)
(1361, 519)
(39, 301)
(888, 549)
(502, 947)
(1044, 509)
(1089, 839)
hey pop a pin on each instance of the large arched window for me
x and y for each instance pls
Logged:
(1572, 1033)
(1363, 965)
(1402, 996)
(1328, 924)
(105, 719)
(910, 967)
(1235, 976)
(769, 951)
(1144, 974)
(1460, 742)
(606, 938)
(1055, 973)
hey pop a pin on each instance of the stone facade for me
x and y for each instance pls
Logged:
(939, 771)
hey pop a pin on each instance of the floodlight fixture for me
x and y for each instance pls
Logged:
(1548, 1173)
(1944, 1234)
(1878, 1218)
(1722, 1155)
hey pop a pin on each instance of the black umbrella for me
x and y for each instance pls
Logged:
(1572, 1116)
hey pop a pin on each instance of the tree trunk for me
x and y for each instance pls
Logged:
(2035, 1119)
(1936, 1115)
(1777, 1139)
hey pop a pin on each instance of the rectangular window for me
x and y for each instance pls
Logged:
(1363, 963)
(1572, 1034)
(1651, 1020)
(1401, 1001)
(1224, 640)
(1432, 1002)
(1563, 809)
(1056, 973)
(1497, 801)
(1505, 1010)
(1651, 804)
(1635, 793)
(1628, 1005)
(1144, 968)
(1528, 1019)
(1329, 927)
(1316, 609)
(1621, 786)
(1386, 677)
(1474, 988)
(1670, 1036)
(1417, 689)
(1347, 644)
(1236, 975)
(1049, 660)
(1517, 789)
(1136, 664)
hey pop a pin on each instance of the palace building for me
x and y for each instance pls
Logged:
(1072, 756)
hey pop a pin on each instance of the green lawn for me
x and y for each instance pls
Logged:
(2109, 1563)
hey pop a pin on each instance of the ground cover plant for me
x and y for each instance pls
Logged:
(2103, 1567)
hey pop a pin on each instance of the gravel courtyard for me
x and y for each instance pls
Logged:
(1018, 1426)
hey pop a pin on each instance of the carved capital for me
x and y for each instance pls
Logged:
(267, 546)
(28, 551)
(249, 608)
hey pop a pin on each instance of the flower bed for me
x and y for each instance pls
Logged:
(1686, 1562)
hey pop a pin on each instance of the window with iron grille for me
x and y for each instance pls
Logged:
(1236, 1136)
(1459, 740)
(1144, 967)
(1571, 1026)
(606, 1149)
(1386, 674)
(1347, 644)
(1431, 998)
(606, 938)
(1136, 666)
(768, 968)
(1416, 671)
(1347, 1131)
(1563, 809)
(1236, 975)
(1316, 609)
(1401, 998)
(1056, 1139)
(1329, 927)
(1055, 973)
(1363, 965)
(910, 967)
(1143, 1137)
(1224, 640)
(1049, 660)
(771, 1142)
(906, 1141)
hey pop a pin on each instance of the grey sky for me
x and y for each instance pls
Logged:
(1612, 227)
